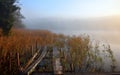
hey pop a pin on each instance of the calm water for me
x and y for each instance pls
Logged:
(110, 37)
(78, 74)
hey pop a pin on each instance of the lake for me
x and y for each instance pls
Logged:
(109, 37)
(78, 73)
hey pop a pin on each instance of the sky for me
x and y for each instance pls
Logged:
(69, 8)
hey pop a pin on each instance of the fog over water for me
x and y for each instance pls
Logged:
(102, 28)
(105, 29)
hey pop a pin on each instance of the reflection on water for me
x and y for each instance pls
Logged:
(110, 37)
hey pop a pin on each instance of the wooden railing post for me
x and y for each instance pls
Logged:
(10, 61)
(18, 60)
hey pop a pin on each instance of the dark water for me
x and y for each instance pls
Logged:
(78, 73)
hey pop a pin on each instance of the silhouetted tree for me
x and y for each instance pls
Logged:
(7, 11)
(18, 20)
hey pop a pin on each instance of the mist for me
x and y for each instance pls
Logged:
(102, 28)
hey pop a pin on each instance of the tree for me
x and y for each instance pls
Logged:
(18, 22)
(7, 10)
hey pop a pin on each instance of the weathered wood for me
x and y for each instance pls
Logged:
(58, 69)
(39, 56)
(10, 61)
(31, 67)
(31, 60)
(18, 60)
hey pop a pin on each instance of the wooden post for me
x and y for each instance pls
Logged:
(58, 69)
(10, 61)
(36, 47)
(18, 60)
(32, 48)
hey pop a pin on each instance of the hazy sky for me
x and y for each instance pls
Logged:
(69, 8)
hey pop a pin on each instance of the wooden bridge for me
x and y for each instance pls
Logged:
(37, 58)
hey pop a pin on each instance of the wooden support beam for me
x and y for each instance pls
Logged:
(18, 60)
(10, 61)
